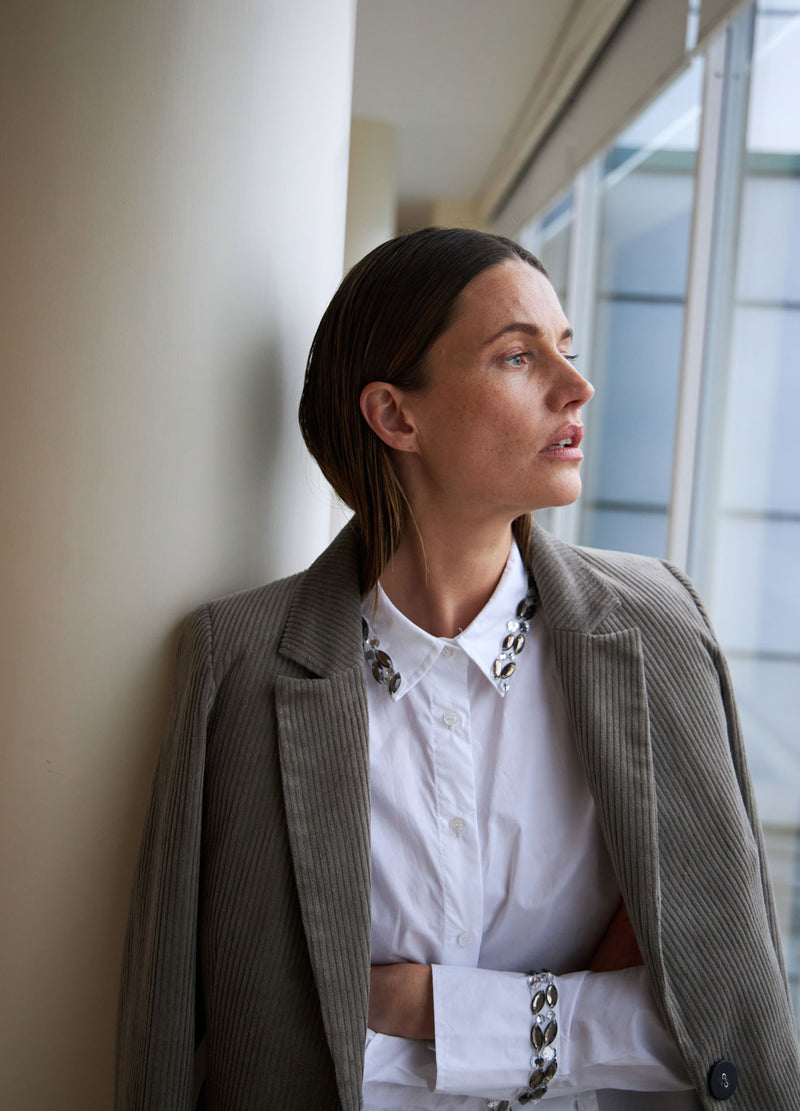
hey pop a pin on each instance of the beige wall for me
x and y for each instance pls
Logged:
(172, 199)
(371, 188)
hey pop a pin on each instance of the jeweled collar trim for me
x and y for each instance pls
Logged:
(380, 662)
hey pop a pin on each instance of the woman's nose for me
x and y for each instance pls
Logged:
(572, 387)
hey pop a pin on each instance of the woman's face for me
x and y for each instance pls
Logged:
(499, 422)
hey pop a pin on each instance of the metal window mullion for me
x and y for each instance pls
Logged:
(697, 298)
(710, 291)
(581, 288)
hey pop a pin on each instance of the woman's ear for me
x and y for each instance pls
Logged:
(385, 411)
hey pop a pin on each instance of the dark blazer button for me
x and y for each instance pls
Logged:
(722, 1079)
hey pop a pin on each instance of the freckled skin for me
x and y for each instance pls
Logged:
(491, 408)
(471, 451)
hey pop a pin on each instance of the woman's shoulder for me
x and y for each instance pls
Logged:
(647, 583)
(254, 611)
(627, 567)
(293, 620)
(243, 626)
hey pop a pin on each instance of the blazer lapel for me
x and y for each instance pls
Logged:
(323, 744)
(601, 666)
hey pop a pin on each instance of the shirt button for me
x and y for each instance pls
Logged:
(458, 825)
(464, 940)
(447, 651)
(450, 717)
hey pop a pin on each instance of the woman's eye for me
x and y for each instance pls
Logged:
(517, 360)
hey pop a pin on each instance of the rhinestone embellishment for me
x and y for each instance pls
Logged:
(544, 1066)
(379, 662)
(513, 640)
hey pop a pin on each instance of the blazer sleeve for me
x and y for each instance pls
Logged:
(741, 768)
(158, 1028)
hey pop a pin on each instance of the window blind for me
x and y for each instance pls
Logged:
(645, 52)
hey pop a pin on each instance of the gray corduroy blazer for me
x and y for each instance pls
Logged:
(250, 918)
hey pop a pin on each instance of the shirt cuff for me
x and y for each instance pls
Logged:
(482, 1022)
(610, 1034)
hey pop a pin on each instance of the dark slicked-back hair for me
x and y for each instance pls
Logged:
(379, 326)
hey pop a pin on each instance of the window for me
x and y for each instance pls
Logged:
(745, 550)
(645, 210)
(677, 253)
(550, 240)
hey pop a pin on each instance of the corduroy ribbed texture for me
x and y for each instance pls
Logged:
(260, 818)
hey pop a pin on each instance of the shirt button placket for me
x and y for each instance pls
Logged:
(461, 857)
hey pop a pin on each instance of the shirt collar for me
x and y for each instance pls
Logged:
(414, 652)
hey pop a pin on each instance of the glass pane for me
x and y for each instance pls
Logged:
(746, 553)
(549, 239)
(644, 530)
(645, 219)
(634, 412)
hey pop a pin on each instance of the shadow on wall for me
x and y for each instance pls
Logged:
(254, 490)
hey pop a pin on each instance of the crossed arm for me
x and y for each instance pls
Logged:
(401, 995)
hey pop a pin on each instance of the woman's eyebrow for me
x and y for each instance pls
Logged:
(530, 329)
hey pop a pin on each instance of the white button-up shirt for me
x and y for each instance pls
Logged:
(488, 860)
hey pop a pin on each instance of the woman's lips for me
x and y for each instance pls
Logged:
(566, 444)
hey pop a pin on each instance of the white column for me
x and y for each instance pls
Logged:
(173, 201)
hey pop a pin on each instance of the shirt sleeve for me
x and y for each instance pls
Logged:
(610, 1034)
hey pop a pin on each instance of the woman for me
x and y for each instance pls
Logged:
(453, 754)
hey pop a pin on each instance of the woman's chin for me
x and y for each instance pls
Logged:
(565, 493)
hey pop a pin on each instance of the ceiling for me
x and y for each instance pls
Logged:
(451, 76)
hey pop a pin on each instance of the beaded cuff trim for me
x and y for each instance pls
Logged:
(380, 662)
(544, 1065)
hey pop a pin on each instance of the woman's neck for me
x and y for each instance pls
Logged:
(441, 579)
